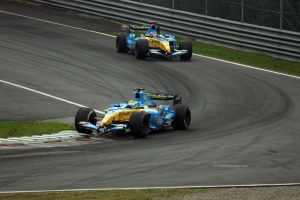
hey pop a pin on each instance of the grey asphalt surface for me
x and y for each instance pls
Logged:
(245, 122)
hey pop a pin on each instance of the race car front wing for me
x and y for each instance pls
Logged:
(104, 129)
(176, 53)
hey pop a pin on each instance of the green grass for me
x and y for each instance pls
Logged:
(24, 128)
(21, 128)
(146, 194)
(243, 57)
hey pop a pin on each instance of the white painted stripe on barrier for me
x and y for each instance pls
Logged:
(147, 188)
(48, 95)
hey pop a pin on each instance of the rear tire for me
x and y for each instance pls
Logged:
(139, 124)
(182, 117)
(142, 49)
(121, 42)
(87, 115)
(186, 44)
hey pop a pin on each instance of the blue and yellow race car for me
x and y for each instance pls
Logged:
(137, 117)
(152, 43)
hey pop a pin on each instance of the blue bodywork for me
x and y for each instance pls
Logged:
(167, 47)
(161, 116)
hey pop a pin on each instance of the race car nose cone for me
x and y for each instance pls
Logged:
(169, 53)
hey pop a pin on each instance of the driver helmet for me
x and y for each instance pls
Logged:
(132, 104)
(153, 35)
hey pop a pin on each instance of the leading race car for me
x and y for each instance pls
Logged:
(153, 43)
(137, 117)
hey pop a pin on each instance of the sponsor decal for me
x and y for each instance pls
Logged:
(149, 103)
(99, 122)
(158, 120)
(119, 125)
(160, 96)
(138, 27)
(125, 113)
(127, 130)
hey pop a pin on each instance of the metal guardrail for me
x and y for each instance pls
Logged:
(274, 42)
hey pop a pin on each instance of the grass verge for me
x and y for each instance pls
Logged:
(21, 128)
(146, 194)
(243, 57)
(24, 128)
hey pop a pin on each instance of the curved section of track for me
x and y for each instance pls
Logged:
(245, 122)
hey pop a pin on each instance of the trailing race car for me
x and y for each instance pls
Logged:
(153, 43)
(138, 116)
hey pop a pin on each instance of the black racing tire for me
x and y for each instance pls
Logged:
(87, 115)
(139, 124)
(121, 42)
(182, 117)
(186, 44)
(142, 49)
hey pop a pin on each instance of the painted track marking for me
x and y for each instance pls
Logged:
(48, 95)
(254, 185)
(147, 188)
(56, 23)
(37, 154)
(242, 65)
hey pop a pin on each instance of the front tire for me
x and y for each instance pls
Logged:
(87, 115)
(139, 124)
(182, 117)
(121, 42)
(186, 44)
(142, 49)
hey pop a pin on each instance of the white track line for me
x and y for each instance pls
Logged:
(248, 66)
(48, 95)
(56, 23)
(115, 36)
(221, 186)
(147, 188)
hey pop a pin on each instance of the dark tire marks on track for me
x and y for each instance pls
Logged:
(240, 116)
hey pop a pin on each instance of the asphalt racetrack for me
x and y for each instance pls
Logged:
(245, 122)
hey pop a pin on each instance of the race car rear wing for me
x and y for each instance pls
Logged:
(143, 27)
(163, 96)
(139, 27)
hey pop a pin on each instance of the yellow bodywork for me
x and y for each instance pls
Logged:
(155, 43)
(120, 116)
